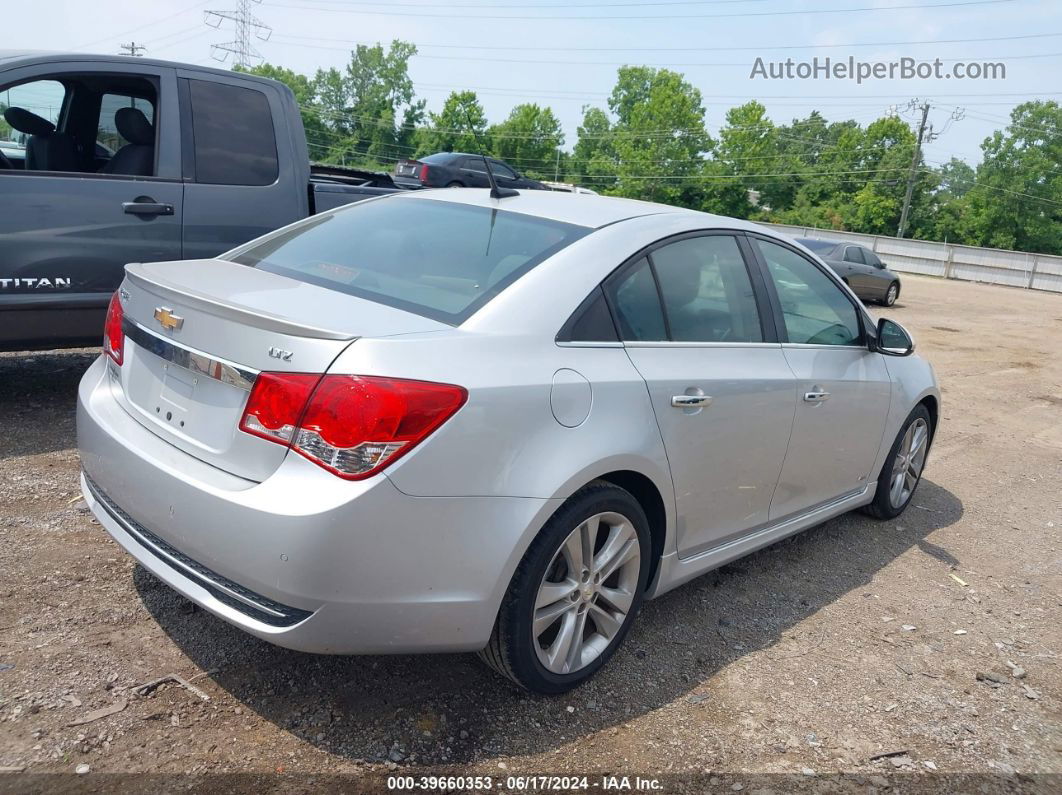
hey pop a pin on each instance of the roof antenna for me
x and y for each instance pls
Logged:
(496, 192)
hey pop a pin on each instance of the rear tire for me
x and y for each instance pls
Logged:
(567, 611)
(902, 471)
(455, 184)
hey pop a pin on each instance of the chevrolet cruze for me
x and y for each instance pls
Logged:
(441, 421)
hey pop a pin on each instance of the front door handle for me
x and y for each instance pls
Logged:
(147, 208)
(691, 401)
(816, 397)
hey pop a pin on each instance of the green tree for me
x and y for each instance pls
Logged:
(659, 136)
(529, 140)
(369, 108)
(593, 162)
(1017, 198)
(461, 126)
(748, 147)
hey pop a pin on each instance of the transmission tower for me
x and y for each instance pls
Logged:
(245, 23)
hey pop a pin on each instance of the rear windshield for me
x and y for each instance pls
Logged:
(818, 246)
(442, 158)
(439, 259)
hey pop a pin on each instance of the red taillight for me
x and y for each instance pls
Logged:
(423, 174)
(113, 336)
(276, 403)
(352, 425)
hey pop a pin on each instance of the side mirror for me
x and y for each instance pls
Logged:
(892, 339)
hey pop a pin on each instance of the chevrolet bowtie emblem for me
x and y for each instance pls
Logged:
(167, 319)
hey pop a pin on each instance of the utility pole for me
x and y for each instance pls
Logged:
(133, 49)
(925, 136)
(914, 165)
(243, 52)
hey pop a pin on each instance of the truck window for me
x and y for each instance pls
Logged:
(234, 139)
(107, 134)
(82, 122)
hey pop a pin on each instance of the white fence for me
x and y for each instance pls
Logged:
(969, 263)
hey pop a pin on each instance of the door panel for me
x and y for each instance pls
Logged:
(835, 438)
(726, 457)
(843, 390)
(721, 389)
(67, 236)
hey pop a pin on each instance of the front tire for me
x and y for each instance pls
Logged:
(891, 294)
(455, 184)
(902, 471)
(575, 594)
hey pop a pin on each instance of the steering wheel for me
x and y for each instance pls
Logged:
(4, 162)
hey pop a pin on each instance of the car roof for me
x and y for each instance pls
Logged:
(10, 57)
(583, 209)
(805, 240)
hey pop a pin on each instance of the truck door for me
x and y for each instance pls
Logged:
(97, 186)
(237, 186)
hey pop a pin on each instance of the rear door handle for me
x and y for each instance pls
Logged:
(691, 401)
(816, 397)
(147, 208)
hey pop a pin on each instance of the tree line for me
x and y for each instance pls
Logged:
(651, 142)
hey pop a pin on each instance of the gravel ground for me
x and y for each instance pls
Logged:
(934, 638)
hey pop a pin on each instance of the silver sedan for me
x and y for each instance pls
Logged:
(440, 421)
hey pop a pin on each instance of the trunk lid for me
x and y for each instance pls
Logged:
(198, 333)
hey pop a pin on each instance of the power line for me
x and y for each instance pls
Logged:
(137, 29)
(756, 48)
(642, 17)
(980, 184)
(481, 6)
(245, 23)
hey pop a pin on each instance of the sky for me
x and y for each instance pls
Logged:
(565, 53)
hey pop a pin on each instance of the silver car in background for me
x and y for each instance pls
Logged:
(440, 422)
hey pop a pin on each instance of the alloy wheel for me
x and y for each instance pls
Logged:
(586, 593)
(910, 458)
(891, 296)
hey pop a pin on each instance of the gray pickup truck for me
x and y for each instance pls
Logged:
(106, 160)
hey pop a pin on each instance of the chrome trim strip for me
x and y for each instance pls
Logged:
(774, 528)
(581, 344)
(189, 358)
(816, 346)
(149, 542)
(680, 344)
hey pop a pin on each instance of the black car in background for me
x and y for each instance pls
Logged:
(859, 267)
(458, 170)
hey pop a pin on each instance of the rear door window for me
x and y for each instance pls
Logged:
(637, 303)
(706, 290)
(854, 254)
(234, 139)
(439, 259)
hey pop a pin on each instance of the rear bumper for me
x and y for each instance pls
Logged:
(409, 183)
(304, 560)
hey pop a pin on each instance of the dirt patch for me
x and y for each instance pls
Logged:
(855, 647)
